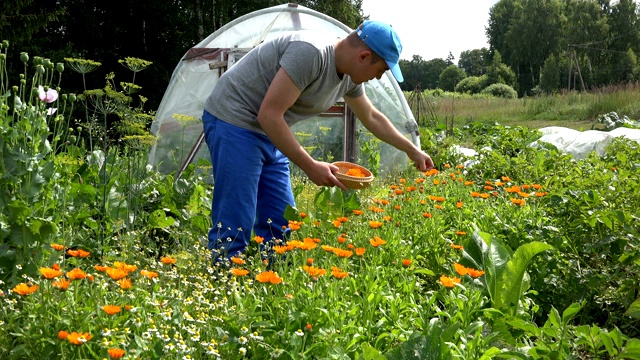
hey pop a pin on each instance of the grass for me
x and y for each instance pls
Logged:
(574, 110)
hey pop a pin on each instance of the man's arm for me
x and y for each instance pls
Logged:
(282, 94)
(383, 129)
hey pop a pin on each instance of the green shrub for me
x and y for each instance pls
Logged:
(501, 90)
(472, 84)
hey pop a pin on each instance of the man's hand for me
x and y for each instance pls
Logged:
(322, 174)
(423, 160)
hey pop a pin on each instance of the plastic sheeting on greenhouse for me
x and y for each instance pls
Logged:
(581, 143)
(334, 135)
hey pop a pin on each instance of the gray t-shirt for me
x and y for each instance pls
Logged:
(307, 58)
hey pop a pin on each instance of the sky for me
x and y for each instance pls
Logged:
(433, 28)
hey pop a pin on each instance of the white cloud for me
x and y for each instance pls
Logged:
(433, 28)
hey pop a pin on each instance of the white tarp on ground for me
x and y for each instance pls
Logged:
(570, 141)
(581, 143)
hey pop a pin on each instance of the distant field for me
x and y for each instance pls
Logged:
(574, 110)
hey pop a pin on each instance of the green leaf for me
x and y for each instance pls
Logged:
(159, 220)
(631, 350)
(512, 279)
(370, 353)
(570, 312)
(634, 310)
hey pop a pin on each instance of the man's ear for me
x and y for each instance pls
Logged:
(362, 55)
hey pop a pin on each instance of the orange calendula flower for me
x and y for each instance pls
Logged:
(376, 241)
(55, 267)
(406, 262)
(309, 261)
(338, 273)
(360, 251)
(258, 239)
(125, 283)
(78, 338)
(519, 202)
(76, 274)
(356, 172)
(398, 207)
(387, 218)
(461, 269)
(336, 223)
(62, 284)
(358, 212)
(24, 289)
(269, 277)
(50, 273)
(100, 268)
(475, 273)
(342, 238)
(449, 282)
(505, 178)
(484, 195)
(294, 225)
(167, 260)
(303, 215)
(459, 204)
(62, 334)
(78, 253)
(115, 353)
(436, 198)
(343, 253)
(468, 183)
(439, 207)
(57, 247)
(116, 274)
(237, 260)
(149, 274)
(313, 271)
(239, 272)
(541, 193)
(111, 309)
(489, 187)
(458, 232)
(427, 215)
(457, 247)
(375, 224)
(536, 186)
(125, 267)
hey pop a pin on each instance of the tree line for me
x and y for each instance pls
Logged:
(535, 46)
(549, 45)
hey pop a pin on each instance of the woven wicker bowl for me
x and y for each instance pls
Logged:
(353, 182)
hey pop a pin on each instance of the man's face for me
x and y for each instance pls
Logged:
(370, 70)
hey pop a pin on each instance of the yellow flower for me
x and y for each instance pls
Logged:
(116, 274)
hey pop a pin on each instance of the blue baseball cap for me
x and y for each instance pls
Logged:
(384, 41)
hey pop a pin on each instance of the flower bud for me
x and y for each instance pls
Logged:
(70, 130)
(59, 67)
(63, 97)
(3, 57)
(47, 63)
(37, 60)
(14, 89)
(79, 128)
(5, 43)
(40, 69)
(35, 92)
(24, 57)
(72, 138)
(72, 97)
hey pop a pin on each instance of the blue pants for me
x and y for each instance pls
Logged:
(252, 188)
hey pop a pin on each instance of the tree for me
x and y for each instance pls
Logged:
(550, 75)
(500, 73)
(474, 62)
(450, 77)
